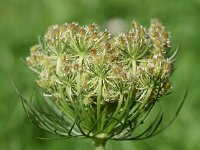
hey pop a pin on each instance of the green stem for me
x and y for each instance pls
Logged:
(134, 67)
(99, 93)
(99, 144)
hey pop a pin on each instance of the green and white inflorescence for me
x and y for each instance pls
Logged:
(104, 85)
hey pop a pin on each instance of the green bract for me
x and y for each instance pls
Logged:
(100, 85)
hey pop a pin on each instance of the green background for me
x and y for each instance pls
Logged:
(21, 21)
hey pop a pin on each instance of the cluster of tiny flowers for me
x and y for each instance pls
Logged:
(82, 59)
(101, 86)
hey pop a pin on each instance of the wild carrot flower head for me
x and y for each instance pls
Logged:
(101, 85)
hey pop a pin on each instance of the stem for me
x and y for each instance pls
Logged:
(134, 67)
(58, 64)
(99, 92)
(99, 144)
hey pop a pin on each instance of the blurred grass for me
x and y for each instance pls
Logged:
(21, 21)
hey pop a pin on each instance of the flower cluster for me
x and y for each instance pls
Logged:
(103, 83)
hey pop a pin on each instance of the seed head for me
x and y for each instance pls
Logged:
(102, 84)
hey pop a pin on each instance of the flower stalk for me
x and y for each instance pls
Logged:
(99, 144)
